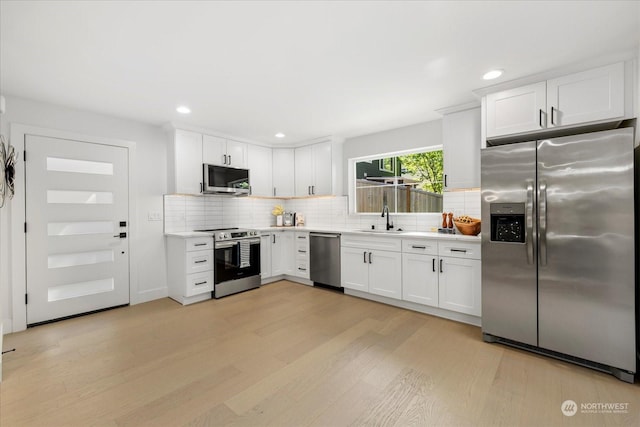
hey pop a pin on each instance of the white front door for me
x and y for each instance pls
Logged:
(77, 218)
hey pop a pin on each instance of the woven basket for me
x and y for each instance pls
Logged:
(468, 229)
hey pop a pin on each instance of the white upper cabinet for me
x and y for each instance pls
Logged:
(260, 170)
(590, 96)
(516, 110)
(314, 170)
(283, 172)
(187, 165)
(586, 97)
(225, 152)
(461, 148)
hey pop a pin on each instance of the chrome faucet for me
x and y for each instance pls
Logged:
(385, 208)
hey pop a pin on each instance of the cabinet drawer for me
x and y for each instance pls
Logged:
(199, 261)
(302, 252)
(302, 237)
(455, 249)
(427, 247)
(302, 269)
(198, 244)
(393, 244)
(199, 283)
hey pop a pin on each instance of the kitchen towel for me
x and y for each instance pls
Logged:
(245, 254)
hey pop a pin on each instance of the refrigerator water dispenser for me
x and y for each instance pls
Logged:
(507, 222)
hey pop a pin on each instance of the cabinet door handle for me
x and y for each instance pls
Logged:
(274, 191)
(364, 254)
(553, 110)
(441, 266)
(301, 252)
(302, 269)
(250, 190)
(464, 251)
(445, 180)
(274, 238)
(200, 283)
(200, 244)
(229, 159)
(224, 159)
(201, 261)
(540, 117)
(418, 247)
(313, 189)
(201, 187)
(309, 190)
(433, 264)
(369, 257)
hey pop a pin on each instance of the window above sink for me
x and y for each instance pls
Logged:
(407, 182)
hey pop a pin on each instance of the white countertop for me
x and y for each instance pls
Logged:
(378, 233)
(375, 233)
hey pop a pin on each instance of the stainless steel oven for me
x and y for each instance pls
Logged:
(236, 261)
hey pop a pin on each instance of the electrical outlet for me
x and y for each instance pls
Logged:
(154, 216)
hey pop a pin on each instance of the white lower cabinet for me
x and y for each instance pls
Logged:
(265, 256)
(190, 268)
(366, 268)
(444, 274)
(420, 279)
(459, 286)
(301, 250)
(282, 259)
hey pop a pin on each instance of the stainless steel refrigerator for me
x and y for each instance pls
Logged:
(558, 251)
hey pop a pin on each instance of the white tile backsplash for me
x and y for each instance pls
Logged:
(186, 213)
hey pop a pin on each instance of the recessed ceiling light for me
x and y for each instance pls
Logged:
(280, 135)
(183, 109)
(493, 74)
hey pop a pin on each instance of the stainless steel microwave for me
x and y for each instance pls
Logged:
(225, 180)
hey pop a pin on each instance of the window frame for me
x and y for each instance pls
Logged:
(351, 173)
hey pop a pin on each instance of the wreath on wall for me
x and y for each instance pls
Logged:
(8, 158)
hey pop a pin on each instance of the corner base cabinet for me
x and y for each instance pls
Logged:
(190, 268)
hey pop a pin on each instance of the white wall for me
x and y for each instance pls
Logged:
(150, 171)
(406, 138)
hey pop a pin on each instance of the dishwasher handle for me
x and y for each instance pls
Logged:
(327, 235)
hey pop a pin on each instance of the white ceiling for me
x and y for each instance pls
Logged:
(307, 69)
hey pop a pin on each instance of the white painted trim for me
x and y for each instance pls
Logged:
(18, 252)
(152, 294)
(458, 108)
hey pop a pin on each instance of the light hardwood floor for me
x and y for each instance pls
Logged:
(288, 355)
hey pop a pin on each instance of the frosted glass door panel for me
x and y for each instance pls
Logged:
(82, 258)
(56, 164)
(73, 228)
(77, 198)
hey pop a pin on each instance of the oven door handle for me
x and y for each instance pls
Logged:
(226, 245)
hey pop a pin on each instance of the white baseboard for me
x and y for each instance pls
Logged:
(6, 327)
(151, 295)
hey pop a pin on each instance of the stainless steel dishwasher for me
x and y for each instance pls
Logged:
(325, 259)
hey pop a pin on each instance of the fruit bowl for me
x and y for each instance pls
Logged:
(467, 225)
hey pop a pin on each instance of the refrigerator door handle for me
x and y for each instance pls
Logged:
(529, 219)
(542, 200)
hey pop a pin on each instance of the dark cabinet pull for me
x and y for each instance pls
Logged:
(418, 247)
(369, 257)
(200, 283)
(201, 261)
(441, 266)
(433, 264)
(365, 257)
(224, 161)
(445, 180)
(313, 189)
(302, 269)
(464, 251)
(200, 244)
(274, 238)
(201, 187)
(540, 117)
(553, 110)
(229, 159)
